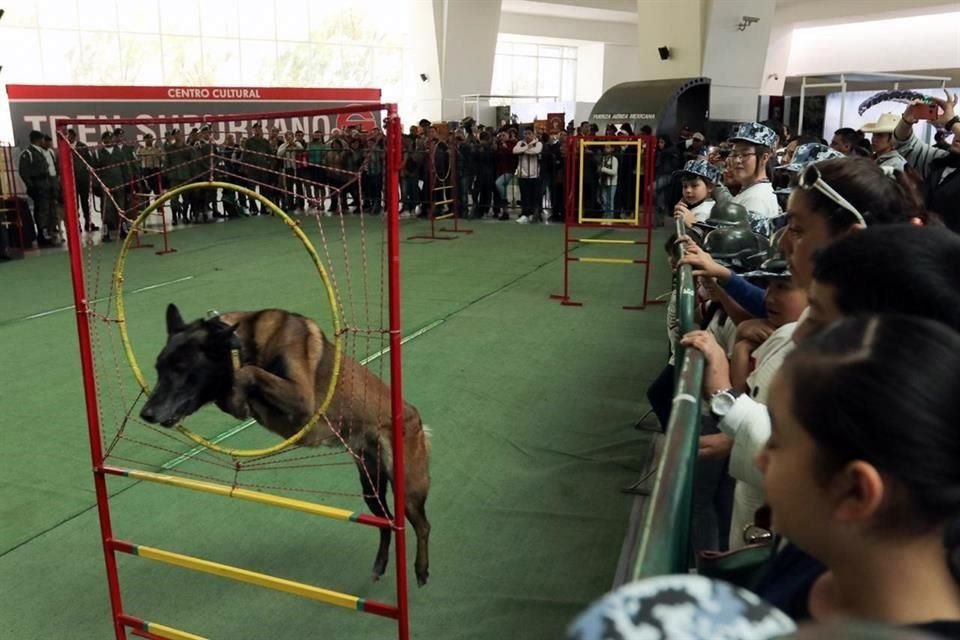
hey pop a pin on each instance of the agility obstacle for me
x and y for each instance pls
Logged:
(115, 433)
(443, 189)
(13, 210)
(582, 182)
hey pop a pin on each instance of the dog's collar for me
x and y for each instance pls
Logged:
(236, 352)
(236, 346)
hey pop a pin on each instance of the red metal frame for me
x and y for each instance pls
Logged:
(163, 223)
(89, 384)
(120, 619)
(572, 220)
(454, 198)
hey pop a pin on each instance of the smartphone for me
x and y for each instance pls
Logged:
(927, 111)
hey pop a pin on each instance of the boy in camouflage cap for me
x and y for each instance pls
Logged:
(698, 178)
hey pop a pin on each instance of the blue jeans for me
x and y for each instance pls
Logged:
(501, 184)
(607, 193)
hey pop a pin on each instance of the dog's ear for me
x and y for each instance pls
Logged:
(174, 320)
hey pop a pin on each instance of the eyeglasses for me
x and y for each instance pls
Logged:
(810, 178)
(740, 156)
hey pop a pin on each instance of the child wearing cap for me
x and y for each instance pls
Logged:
(753, 145)
(698, 178)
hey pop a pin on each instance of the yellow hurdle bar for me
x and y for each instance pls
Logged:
(170, 633)
(446, 215)
(243, 494)
(242, 575)
(144, 627)
(604, 241)
(607, 260)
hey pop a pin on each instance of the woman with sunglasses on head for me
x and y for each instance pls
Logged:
(861, 469)
(753, 145)
(831, 198)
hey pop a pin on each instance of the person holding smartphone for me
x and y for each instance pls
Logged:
(939, 168)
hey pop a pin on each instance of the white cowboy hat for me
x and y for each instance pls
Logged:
(886, 124)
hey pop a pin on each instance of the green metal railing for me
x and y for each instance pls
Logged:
(665, 539)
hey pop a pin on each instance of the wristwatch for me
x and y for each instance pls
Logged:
(721, 402)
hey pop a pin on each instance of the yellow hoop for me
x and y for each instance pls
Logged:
(331, 298)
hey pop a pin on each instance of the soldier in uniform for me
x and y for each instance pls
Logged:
(179, 167)
(112, 169)
(81, 177)
(38, 173)
(204, 199)
(258, 157)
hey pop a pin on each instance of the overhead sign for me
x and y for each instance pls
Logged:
(38, 107)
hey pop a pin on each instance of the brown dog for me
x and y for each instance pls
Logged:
(276, 366)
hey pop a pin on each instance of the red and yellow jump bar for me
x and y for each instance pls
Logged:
(252, 577)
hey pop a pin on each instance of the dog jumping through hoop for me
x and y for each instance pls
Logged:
(275, 366)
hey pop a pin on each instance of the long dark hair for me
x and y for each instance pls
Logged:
(883, 389)
(879, 198)
(895, 269)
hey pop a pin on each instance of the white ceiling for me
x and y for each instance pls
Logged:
(596, 10)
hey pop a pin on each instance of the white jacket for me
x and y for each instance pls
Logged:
(609, 167)
(529, 161)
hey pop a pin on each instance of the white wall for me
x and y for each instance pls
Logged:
(558, 27)
(901, 44)
(733, 59)
(676, 24)
(620, 64)
(590, 72)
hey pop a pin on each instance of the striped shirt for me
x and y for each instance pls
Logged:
(920, 155)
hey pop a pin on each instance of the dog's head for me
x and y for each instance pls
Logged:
(194, 368)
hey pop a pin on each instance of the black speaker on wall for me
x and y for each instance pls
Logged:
(664, 53)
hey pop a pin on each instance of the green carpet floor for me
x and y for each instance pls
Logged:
(531, 405)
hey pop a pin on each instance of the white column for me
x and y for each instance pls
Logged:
(733, 58)
(468, 42)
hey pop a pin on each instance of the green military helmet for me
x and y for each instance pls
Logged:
(770, 251)
(727, 214)
(772, 264)
(737, 248)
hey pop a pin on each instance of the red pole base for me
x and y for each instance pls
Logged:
(558, 296)
(166, 251)
(445, 230)
(571, 303)
(629, 307)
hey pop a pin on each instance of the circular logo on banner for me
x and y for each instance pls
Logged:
(556, 124)
(363, 120)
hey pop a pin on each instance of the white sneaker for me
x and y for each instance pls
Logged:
(406, 215)
(545, 217)
(523, 220)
